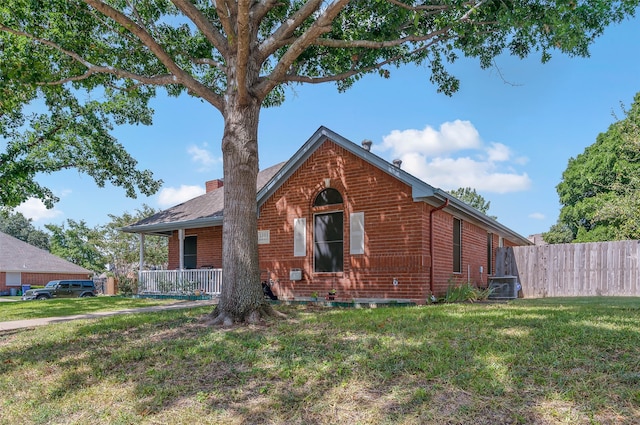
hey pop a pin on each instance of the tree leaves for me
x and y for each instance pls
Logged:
(73, 136)
(599, 189)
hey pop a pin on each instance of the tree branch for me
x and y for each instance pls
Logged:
(368, 44)
(242, 51)
(434, 9)
(210, 32)
(430, 7)
(181, 76)
(91, 68)
(210, 62)
(260, 9)
(284, 32)
(321, 26)
(473, 8)
(291, 78)
(225, 15)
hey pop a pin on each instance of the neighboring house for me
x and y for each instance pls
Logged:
(337, 216)
(24, 264)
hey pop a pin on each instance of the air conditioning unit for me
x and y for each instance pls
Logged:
(295, 274)
(503, 287)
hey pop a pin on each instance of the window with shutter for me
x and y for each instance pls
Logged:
(328, 244)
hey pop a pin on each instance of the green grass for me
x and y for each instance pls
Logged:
(551, 361)
(34, 309)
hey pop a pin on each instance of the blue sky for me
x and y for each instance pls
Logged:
(508, 132)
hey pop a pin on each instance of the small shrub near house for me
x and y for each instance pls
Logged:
(464, 292)
(127, 286)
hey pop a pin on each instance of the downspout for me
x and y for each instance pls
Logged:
(431, 249)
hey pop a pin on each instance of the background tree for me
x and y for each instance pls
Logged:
(599, 191)
(20, 227)
(558, 233)
(239, 55)
(73, 136)
(78, 243)
(474, 199)
(122, 250)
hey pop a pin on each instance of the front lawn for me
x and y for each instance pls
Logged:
(564, 361)
(18, 310)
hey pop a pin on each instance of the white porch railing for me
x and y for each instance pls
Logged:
(180, 282)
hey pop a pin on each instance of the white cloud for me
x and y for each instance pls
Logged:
(537, 216)
(36, 210)
(171, 196)
(452, 136)
(498, 152)
(435, 157)
(203, 157)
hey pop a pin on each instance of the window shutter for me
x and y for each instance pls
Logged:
(356, 237)
(299, 237)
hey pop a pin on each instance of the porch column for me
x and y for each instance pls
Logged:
(181, 245)
(141, 239)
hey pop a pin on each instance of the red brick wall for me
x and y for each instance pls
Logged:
(41, 278)
(208, 246)
(443, 251)
(395, 237)
(474, 253)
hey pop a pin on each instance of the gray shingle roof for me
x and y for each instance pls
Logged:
(202, 211)
(19, 256)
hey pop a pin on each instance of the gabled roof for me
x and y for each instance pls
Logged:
(208, 210)
(421, 191)
(202, 211)
(19, 256)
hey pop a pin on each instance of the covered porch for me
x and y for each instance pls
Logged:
(188, 278)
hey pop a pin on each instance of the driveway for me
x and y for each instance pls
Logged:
(30, 323)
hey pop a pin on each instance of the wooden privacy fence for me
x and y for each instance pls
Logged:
(570, 270)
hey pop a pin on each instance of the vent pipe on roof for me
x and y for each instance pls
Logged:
(366, 144)
(397, 162)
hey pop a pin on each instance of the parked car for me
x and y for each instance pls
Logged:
(62, 289)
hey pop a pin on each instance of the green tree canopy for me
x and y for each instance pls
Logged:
(97, 63)
(474, 199)
(78, 243)
(17, 225)
(122, 250)
(558, 233)
(599, 188)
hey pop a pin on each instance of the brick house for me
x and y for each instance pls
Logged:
(24, 264)
(337, 216)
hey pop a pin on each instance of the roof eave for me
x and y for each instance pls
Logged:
(462, 209)
(165, 229)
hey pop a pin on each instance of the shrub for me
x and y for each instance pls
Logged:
(461, 292)
(127, 286)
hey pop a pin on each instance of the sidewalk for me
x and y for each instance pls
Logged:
(30, 323)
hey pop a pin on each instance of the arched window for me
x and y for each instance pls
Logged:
(328, 196)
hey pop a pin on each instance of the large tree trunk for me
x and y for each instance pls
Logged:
(242, 299)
